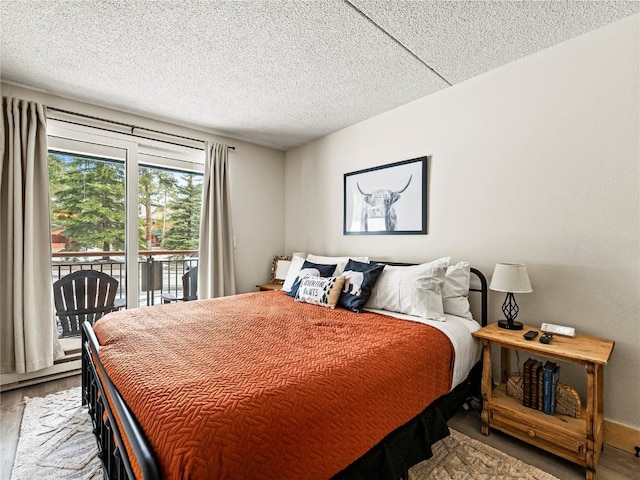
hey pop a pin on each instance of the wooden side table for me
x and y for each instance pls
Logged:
(269, 286)
(576, 439)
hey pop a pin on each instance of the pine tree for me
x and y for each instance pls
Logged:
(148, 193)
(57, 169)
(155, 185)
(184, 215)
(90, 203)
(168, 182)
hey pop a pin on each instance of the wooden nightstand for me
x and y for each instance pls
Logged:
(576, 439)
(269, 286)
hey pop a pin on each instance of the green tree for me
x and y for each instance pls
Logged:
(90, 203)
(57, 170)
(168, 182)
(184, 215)
(155, 186)
(148, 191)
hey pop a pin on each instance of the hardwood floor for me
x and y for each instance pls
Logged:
(614, 464)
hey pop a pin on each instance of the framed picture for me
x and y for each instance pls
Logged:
(387, 200)
(279, 268)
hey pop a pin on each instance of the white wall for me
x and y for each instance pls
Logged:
(535, 162)
(257, 190)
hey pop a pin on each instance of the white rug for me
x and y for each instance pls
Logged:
(459, 457)
(56, 440)
(56, 443)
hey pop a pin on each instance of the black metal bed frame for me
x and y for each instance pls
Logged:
(112, 452)
(111, 446)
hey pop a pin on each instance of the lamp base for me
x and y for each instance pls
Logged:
(510, 326)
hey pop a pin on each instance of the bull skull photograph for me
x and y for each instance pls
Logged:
(387, 200)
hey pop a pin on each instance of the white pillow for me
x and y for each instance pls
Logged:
(455, 293)
(297, 259)
(341, 262)
(415, 290)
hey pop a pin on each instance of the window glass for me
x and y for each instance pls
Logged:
(124, 205)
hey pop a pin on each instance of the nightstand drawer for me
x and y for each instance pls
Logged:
(571, 447)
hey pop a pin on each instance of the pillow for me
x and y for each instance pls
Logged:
(297, 259)
(455, 293)
(339, 261)
(415, 290)
(359, 280)
(313, 270)
(320, 290)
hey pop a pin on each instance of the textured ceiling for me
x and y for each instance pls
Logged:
(276, 73)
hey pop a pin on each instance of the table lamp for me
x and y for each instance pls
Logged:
(510, 278)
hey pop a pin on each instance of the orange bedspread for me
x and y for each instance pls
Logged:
(259, 386)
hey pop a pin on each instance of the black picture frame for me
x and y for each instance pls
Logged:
(387, 200)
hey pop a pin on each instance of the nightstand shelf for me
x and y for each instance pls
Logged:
(576, 439)
(569, 425)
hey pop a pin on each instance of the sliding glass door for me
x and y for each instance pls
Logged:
(94, 223)
(124, 205)
(169, 201)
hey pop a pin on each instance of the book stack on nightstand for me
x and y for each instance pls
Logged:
(540, 385)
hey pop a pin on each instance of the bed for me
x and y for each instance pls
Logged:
(262, 386)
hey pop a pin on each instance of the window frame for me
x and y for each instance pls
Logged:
(134, 151)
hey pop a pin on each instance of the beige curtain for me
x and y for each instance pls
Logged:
(216, 271)
(28, 336)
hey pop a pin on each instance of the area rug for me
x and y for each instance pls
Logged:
(459, 457)
(56, 440)
(56, 443)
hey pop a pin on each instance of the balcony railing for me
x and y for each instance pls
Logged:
(159, 271)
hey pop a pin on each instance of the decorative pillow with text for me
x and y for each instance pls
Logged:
(323, 291)
(313, 270)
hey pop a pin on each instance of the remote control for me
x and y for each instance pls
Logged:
(546, 338)
(559, 329)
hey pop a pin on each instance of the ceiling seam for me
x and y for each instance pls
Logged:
(348, 2)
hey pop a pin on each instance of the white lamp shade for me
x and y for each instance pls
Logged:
(510, 277)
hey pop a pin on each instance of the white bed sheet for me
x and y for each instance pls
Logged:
(467, 348)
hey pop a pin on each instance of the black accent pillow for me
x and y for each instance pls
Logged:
(313, 269)
(359, 281)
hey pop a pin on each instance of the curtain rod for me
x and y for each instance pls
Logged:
(128, 125)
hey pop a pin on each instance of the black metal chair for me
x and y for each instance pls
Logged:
(84, 295)
(189, 288)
